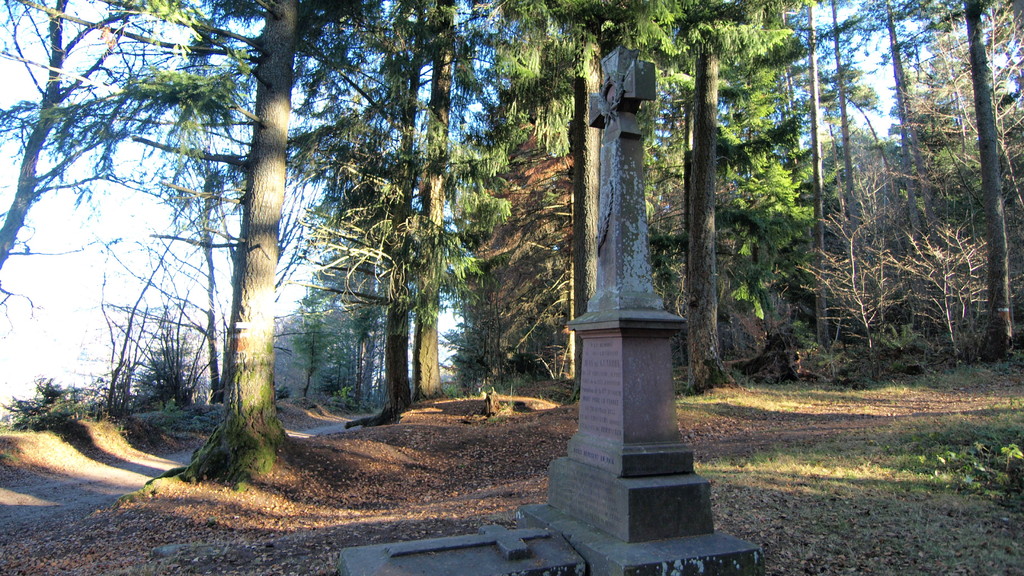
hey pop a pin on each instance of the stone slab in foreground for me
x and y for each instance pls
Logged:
(714, 554)
(495, 551)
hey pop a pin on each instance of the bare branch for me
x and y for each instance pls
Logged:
(61, 71)
(238, 161)
(197, 193)
(196, 243)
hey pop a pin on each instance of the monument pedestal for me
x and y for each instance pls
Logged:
(631, 509)
(626, 497)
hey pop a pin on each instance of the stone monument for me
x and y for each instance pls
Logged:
(625, 501)
(626, 496)
(495, 551)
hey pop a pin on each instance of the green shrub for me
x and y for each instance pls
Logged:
(981, 469)
(343, 399)
(194, 420)
(51, 408)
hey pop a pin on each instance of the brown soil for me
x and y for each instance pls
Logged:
(443, 470)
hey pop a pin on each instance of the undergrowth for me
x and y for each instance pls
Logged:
(977, 454)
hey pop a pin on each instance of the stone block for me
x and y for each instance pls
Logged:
(713, 554)
(495, 551)
(634, 509)
(631, 460)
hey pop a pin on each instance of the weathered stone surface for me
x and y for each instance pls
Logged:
(634, 509)
(628, 422)
(713, 554)
(623, 264)
(496, 551)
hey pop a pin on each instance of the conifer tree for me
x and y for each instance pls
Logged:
(817, 180)
(705, 366)
(712, 31)
(999, 332)
(246, 442)
(433, 194)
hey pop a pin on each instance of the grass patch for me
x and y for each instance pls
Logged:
(927, 481)
(854, 505)
(816, 515)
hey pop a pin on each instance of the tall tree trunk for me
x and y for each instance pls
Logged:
(818, 185)
(909, 151)
(397, 392)
(246, 443)
(999, 333)
(27, 192)
(705, 366)
(209, 202)
(853, 207)
(396, 365)
(586, 151)
(426, 365)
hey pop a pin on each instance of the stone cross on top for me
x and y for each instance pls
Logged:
(627, 83)
(623, 269)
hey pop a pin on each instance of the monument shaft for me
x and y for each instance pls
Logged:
(627, 399)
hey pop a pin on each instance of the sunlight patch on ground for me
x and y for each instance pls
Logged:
(800, 473)
(12, 498)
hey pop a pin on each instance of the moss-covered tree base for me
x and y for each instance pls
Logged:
(237, 451)
(714, 376)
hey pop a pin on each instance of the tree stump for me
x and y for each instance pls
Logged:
(491, 404)
(776, 363)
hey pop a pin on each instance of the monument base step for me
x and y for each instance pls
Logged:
(714, 554)
(632, 509)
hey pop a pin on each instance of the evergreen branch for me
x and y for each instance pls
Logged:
(361, 296)
(206, 50)
(101, 25)
(164, 45)
(268, 7)
(209, 31)
(203, 27)
(198, 154)
(359, 89)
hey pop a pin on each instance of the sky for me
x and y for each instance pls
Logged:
(54, 326)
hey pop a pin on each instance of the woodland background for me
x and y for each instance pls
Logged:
(414, 159)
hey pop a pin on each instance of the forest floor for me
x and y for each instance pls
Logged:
(827, 480)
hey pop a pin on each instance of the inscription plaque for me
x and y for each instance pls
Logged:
(601, 402)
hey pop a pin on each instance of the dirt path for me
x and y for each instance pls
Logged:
(29, 500)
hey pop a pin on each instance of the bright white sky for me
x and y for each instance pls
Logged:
(56, 329)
